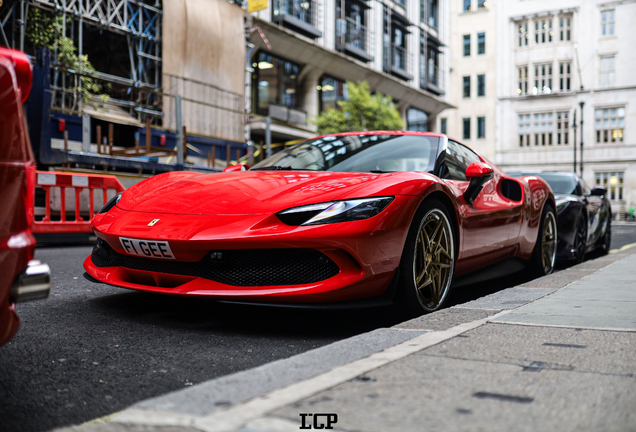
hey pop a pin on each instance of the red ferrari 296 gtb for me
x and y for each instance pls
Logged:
(347, 219)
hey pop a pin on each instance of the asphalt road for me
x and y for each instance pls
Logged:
(90, 349)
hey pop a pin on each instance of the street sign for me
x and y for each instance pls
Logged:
(256, 5)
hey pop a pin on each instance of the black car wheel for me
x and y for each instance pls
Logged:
(428, 260)
(606, 240)
(544, 252)
(580, 240)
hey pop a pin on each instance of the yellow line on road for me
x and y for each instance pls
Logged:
(627, 246)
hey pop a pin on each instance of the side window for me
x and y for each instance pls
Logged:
(458, 158)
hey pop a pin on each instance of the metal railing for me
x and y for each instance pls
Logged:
(303, 10)
(430, 75)
(397, 57)
(349, 31)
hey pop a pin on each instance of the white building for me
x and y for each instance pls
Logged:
(397, 46)
(562, 61)
(546, 64)
(472, 82)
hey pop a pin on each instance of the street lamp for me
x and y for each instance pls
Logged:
(581, 105)
(574, 140)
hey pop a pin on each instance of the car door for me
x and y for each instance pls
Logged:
(491, 223)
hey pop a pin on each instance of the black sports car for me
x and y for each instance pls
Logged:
(584, 215)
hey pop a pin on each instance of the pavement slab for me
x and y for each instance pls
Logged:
(424, 392)
(214, 395)
(507, 299)
(444, 319)
(604, 300)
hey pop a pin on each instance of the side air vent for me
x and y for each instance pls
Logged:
(511, 190)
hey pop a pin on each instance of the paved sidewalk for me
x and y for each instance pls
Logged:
(557, 353)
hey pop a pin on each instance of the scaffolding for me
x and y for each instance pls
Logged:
(139, 21)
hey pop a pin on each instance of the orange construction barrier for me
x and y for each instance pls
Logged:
(48, 180)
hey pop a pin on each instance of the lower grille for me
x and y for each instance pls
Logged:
(249, 267)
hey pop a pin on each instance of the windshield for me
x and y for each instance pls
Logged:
(560, 183)
(358, 153)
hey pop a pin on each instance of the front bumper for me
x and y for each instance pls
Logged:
(367, 254)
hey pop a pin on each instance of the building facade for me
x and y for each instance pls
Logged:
(559, 85)
(304, 51)
(568, 87)
(472, 81)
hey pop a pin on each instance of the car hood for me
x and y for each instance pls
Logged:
(251, 192)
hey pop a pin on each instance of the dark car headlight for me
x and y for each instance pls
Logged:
(112, 203)
(335, 211)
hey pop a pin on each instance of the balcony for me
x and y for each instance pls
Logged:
(397, 61)
(431, 78)
(353, 39)
(288, 115)
(298, 15)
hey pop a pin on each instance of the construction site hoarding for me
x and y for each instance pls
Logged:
(204, 63)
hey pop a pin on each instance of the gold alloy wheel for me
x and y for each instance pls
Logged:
(434, 259)
(548, 243)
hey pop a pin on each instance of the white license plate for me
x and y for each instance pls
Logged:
(147, 248)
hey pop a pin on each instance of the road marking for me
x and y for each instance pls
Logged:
(625, 247)
(238, 415)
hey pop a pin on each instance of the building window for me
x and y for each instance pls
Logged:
(429, 65)
(481, 4)
(351, 25)
(466, 45)
(607, 71)
(613, 182)
(467, 5)
(276, 82)
(524, 36)
(607, 22)
(396, 55)
(542, 79)
(466, 128)
(481, 85)
(610, 123)
(523, 81)
(543, 31)
(466, 86)
(562, 128)
(481, 127)
(524, 130)
(416, 120)
(543, 129)
(565, 28)
(331, 90)
(481, 43)
(442, 126)
(565, 69)
(432, 11)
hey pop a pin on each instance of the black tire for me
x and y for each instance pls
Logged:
(544, 253)
(606, 240)
(428, 260)
(580, 239)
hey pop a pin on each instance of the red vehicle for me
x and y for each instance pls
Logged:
(21, 277)
(340, 218)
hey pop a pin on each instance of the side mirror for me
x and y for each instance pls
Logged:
(478, 173)
(23, 70)
(599, 191)
(239, 167)
(478, 169)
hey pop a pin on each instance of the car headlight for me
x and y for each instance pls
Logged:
(112, 203)
(332, 212)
